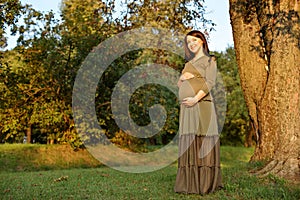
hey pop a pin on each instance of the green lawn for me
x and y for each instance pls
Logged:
(105, 183)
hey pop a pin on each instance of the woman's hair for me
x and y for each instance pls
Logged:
(188, 54)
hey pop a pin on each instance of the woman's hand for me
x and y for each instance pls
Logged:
(190, 101)
(186, 76)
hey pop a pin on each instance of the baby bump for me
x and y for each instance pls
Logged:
(185, 90)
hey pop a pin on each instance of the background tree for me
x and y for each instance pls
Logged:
(10, 12)
(236, 128)
(31, 94)
(174, 16)
(266, 37)
(38, 75)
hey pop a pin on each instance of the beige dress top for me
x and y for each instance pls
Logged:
(201, 118)
(204, 70)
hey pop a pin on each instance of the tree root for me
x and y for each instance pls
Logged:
(271, 168)
(287, 169)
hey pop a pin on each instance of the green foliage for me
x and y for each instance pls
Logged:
(236, 125)
(11, 11)
(38, 75)
(128, 142)
(143, 97)
(174, 15)
(32, 85)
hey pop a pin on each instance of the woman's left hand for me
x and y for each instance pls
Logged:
(190, 101)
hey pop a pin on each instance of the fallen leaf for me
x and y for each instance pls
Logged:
(63, 178)
(105, 175)
(7, 191)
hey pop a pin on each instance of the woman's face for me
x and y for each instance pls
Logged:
(194, 44)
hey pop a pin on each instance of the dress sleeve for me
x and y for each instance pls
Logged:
(210, 76)
(184, 69)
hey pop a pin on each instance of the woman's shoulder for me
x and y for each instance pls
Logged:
(204, 61)
(212, 58)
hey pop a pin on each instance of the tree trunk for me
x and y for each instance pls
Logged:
(28, 134)
(250, 136)
(266, 37)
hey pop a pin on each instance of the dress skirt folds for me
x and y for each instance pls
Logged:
(199, 150)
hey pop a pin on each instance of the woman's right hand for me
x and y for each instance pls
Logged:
(186, 76)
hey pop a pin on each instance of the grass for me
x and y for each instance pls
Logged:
(105, 183)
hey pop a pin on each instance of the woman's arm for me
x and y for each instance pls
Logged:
(184, 76)
(191, 101)
(210, 77)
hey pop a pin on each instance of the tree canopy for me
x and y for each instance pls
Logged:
(39, 73)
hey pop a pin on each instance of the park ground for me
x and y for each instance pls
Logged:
(58, 172)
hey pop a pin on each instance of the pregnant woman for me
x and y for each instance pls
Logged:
(199, 146)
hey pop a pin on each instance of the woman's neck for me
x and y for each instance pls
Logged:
(199, 54)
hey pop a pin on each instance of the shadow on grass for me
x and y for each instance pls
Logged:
(35, 157)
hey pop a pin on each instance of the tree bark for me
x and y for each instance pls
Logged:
(266, 37)
(250, 136)
(28, 134)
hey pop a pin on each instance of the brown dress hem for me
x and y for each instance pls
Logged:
(199, 170)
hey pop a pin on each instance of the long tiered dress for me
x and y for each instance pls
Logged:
(199, 146)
